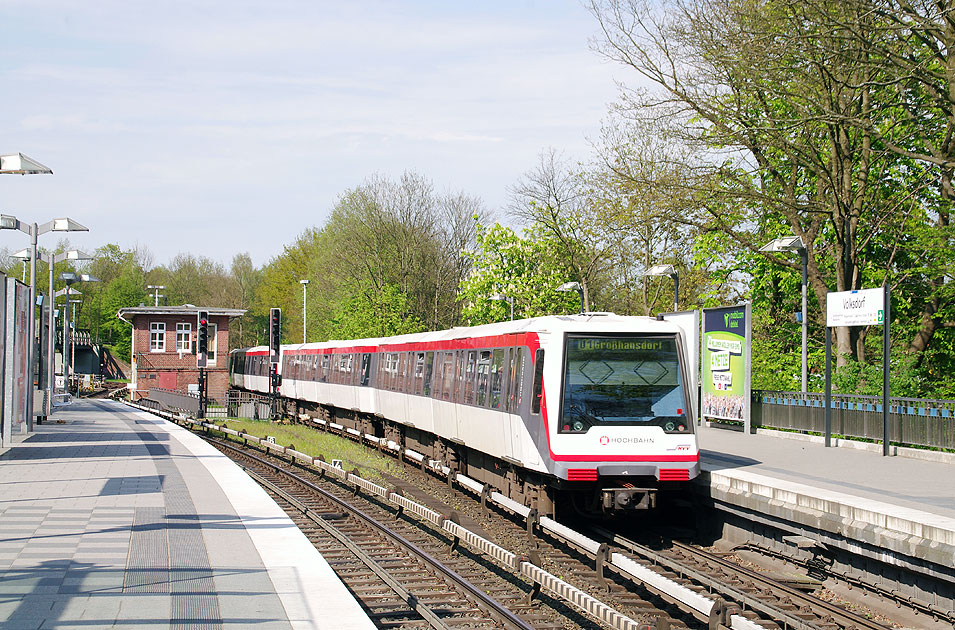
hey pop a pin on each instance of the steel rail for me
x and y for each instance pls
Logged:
(848, 616)
(741, 597)
(426, 612)
(491, 606)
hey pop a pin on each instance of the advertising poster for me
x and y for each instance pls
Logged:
(726, 358)
(16, 364)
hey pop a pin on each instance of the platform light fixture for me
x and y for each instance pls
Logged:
(10, 222)
(70, 278)
(796, 244)
(52, 261)
(668, 270)
(19, 164)
(574, 286)
(500, 297)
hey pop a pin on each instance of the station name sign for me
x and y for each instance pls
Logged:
(865, 307)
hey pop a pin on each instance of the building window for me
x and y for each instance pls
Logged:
(157, 336)
(211, 350)
(184, 337)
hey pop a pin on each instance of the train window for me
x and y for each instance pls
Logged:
(460, 360)
(483, 374)
(447, 376)
(418, 383)
(537, 390)
(324, 372)
(402, 385)
(437, 382)
(498, 358)
(365, 370)
(428, 372)
(622, 380)
(515, 380)
(470, 369)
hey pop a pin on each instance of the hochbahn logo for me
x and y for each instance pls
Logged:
(605, 440)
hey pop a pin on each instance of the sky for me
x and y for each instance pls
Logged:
(216, 128)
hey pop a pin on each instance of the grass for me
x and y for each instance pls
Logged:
(370, 464)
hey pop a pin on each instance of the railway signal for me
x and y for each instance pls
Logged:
(275, 334)
(202, 357)
(202, 339)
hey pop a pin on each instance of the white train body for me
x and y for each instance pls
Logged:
(596, 400)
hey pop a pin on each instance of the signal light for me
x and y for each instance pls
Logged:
(202, 339)
(275, 334)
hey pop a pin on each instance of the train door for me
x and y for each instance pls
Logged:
(366, 393)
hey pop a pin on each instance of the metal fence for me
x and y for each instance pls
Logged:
(912, 421)
(247, 405)
(172, 400)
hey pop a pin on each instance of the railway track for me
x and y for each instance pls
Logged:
(624, 577)
(399, 582)
(787, 606)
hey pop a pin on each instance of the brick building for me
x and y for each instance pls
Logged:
(164, 347)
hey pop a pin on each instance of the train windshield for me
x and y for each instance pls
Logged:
(623, 380)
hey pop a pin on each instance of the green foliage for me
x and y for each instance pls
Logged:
(126, 289)
(374, 313)
(526, 269)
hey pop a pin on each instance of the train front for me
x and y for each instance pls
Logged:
(625, 423)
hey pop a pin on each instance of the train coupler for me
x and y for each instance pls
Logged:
(625, 499)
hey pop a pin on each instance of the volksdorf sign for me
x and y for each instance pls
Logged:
(856, 308)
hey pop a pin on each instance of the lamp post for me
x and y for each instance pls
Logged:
(668, 270)
(70, 278)
(304, 284)
(795, 244)
(8, 222)
(574, 286)
(72, 335)
(155, 288)
(51, 262)
(500, 297)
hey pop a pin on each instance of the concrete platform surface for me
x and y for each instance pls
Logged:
(117, 518)
(897, 503)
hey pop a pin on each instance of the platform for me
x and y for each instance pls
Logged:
(112, 517)
(902, 505)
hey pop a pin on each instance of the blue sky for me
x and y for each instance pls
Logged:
(223, 127)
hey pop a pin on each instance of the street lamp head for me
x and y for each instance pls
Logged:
(662, 270)
(23, 254)
(66, 224)
(9, 222)
(303, 281)
(19, 164)
(569, 286)
(85, 277)
(784, 244)
(499, 297)
(68, 277)
(75, 254)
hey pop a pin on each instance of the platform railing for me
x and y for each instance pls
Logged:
(247, 405)
(912, 421)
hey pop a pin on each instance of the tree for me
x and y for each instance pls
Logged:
(525, 268)
(552, 200)
(779, 112)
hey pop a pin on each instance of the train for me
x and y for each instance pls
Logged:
(589, 412)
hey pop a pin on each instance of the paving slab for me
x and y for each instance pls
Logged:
(112, 517)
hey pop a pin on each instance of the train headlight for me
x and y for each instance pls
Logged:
(578, 425)
(671, 426)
